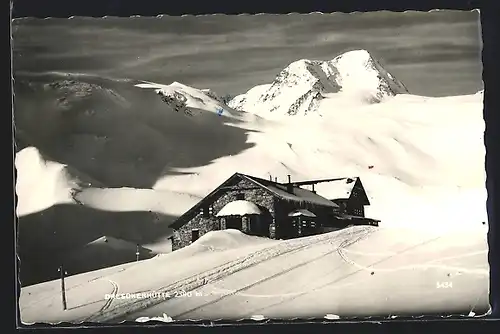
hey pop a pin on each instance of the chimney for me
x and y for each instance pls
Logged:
(289, 186)
(270, 177)
(276, 179)
(314, 191)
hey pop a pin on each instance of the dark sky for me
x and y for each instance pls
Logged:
(432, 53)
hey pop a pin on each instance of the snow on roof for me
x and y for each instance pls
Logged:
(298, 194)
(239, 208)
(301, 212)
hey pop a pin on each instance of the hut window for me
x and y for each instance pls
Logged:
(240, 196)
(313, 224)
(204, 211)
(210, 210)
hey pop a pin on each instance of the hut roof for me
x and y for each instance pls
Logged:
(297, 194)
(280, 190)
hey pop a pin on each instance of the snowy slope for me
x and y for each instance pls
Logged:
(61, 209)
(300, 87)
(359, 271)
(42, 183)
(420, 159)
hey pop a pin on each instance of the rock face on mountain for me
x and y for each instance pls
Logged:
(182, 98)
(300, 87)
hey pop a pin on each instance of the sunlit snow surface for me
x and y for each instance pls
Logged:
(363, 271)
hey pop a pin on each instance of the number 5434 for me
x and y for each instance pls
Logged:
(444, 285)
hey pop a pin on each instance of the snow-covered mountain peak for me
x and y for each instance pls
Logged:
(308, 73)
(297, 89)
(355, 57)
(300, 87)
(362, 75)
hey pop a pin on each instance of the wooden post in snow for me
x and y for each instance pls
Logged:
(137, 253)
(63, 288)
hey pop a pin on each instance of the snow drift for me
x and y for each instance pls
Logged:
(228, 239)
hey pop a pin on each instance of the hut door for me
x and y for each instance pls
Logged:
(233, 223)
(195, 234)
(255, 225)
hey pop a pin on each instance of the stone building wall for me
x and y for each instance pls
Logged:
(256, 195)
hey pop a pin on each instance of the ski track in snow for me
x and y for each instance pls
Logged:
(364, 233)
(68, 288)
(113, 293)
(108, 302)
(217, 273)
(191, 313)
(336, 280)
(341, 252)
